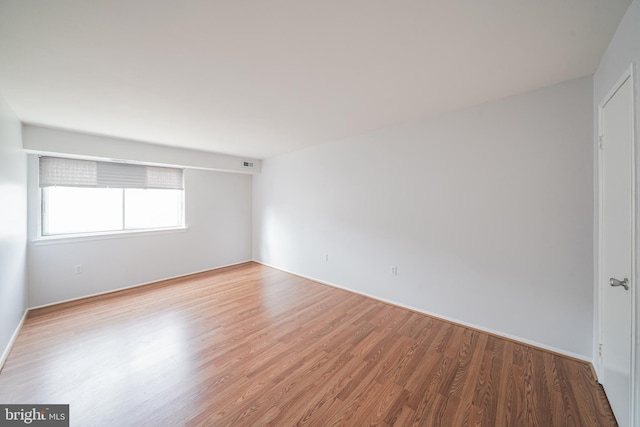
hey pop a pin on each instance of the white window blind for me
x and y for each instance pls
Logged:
(55, 171)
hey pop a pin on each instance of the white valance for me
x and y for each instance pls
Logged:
(56, 171)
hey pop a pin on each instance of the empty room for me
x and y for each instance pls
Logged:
(356, 213)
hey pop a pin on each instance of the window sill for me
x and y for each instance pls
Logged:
(75, 238)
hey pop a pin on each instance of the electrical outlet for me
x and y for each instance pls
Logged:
(326, 257)
(77, 269)
(394, 271)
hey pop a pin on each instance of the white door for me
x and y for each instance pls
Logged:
(616, 155)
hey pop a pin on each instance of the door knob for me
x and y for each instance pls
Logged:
(615, 282)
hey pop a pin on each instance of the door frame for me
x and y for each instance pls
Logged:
(635, 241)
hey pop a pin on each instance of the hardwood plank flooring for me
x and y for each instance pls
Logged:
(250, 346)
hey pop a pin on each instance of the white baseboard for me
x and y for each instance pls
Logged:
(7, 350)
(135, 286)
(524, 341)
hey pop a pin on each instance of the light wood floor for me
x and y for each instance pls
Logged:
(250, 345)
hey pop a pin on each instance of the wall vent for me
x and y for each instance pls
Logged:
(246, 164)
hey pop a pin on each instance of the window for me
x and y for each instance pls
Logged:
(83, 196)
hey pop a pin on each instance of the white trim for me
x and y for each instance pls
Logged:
(635, 240)
(120, 234)
(7, 350)
(135, 286)
(635, 250)
(524, 341)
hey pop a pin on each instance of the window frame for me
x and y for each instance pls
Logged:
(43, 239)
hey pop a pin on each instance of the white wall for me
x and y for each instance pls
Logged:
(43, 140)
(13, 226)
(218, 217)
(623, 51)
(486, 212)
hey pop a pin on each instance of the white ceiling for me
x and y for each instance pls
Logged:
(258, 78)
